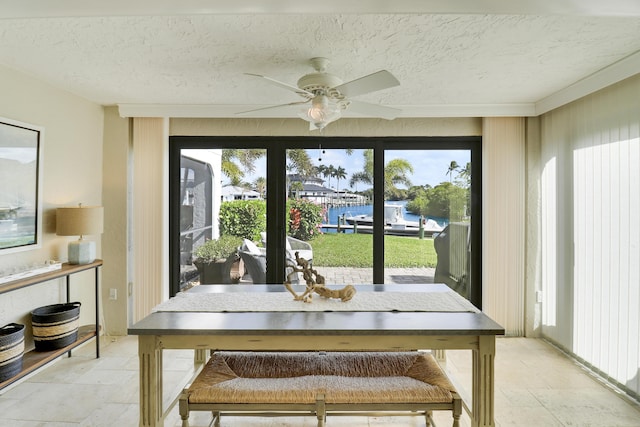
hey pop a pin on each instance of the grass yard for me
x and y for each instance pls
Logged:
(356, 250)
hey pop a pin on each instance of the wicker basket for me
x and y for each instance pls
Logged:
(55, 326)
(11, 350)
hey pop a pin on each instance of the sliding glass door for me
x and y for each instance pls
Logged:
(427, 217)
(357, 210)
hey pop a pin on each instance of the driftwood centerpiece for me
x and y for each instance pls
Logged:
(315, 283)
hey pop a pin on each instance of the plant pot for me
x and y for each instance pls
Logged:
(215, 272)
(55, 326)
(11, 350)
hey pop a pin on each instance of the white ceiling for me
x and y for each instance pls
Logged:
(453, 58)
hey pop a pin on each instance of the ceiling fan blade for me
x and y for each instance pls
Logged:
(272, 106)
(287, 86)
(371, 83)
(373, 110)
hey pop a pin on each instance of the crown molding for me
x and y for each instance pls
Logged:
(233, 111)
(614, 73)
(12, 9)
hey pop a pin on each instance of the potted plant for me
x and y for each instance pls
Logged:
(215, 258)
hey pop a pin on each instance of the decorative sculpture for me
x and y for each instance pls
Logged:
(315, 283)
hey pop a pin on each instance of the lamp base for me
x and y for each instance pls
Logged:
(82, 252)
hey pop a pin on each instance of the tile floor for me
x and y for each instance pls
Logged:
(535, 386)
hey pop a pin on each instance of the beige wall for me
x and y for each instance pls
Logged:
(72, 173)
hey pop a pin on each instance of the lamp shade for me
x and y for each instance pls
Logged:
(79, 221)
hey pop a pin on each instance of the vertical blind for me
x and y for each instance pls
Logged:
(149, 201)
(503, 252)
(591, 230)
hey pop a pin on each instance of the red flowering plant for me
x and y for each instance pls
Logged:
(305, 219)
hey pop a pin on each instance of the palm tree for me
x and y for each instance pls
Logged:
(320, 170)
(396, 172)
(465, 175)
(329, 171)
(260, 185)
(236, 163)
(300, 161)
(365, 176)
(339, 173)
(453, 166)
(296, 188)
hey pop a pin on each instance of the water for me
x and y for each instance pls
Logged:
(334, 213)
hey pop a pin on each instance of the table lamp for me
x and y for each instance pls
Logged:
(80, 221)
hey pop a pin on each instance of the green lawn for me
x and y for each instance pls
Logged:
(356, 250)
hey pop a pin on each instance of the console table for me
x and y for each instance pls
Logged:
(34, 360)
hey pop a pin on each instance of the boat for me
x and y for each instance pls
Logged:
(395, 223)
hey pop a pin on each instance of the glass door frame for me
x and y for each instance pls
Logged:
(276, 159)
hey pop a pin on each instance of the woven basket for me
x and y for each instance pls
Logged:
(55, 326)
(11, 350)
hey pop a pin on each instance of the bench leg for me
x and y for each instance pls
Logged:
(183, 408)
(216, 418)
(321, 412)
(457, 410)
(428, 417)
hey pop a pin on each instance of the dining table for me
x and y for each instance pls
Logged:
(390, 317)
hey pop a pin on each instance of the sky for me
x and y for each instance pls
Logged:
(429, 166)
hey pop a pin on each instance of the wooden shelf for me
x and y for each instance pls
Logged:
(65, 271)
(33, 360)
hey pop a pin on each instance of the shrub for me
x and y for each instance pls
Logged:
(305, 218)
(243, 218)
(216, 250)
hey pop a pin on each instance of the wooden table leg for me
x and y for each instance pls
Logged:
(150, 354)
(483, 382)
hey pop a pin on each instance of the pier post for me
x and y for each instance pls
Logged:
(421, 228)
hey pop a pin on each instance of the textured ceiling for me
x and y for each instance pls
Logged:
(441, 60)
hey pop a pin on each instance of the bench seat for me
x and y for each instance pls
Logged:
(320, 383)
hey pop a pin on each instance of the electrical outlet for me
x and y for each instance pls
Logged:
(113, 294)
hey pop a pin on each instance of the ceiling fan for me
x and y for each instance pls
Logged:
(327, 96)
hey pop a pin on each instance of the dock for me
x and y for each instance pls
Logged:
(368, 229)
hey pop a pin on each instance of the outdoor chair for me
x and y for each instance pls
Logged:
(293, 245)
(255, 262)
(256, 266)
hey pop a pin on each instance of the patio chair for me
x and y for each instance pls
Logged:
(293, 245)
(256, 266)
(255, 262)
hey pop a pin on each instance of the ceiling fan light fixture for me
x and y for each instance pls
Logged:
(321, 112)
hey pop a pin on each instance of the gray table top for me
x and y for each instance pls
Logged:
(317, 323)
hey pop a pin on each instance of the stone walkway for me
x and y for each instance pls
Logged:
(359, 276)
(354, 276)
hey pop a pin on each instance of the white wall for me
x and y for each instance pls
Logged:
(590, 234)
(72, 173)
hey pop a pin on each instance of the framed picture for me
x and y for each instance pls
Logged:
(20, 186)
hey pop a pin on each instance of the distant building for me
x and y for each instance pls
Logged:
(232, 192)
(314, 191)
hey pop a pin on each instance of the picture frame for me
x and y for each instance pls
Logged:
(20, 186)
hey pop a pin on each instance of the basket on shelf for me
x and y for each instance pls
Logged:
(55, 326)
(11, 350)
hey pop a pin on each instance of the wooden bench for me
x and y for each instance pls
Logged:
(321, 383)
